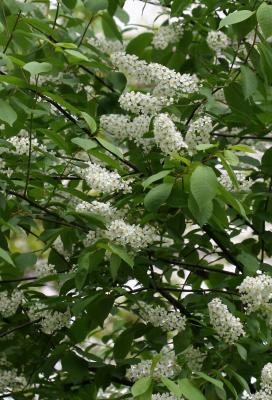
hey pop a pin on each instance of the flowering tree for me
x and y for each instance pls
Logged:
(135, 201)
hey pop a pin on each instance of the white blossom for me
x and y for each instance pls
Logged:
(132, 67)
(42, 268)
(104, 209)
(164, 396)
(260, 395)
(135, 236)
(9, 303)
(198, 133)
(165, 367)
(244, 184)
(217, 41)
(173, 84)
(167, 137)
(160, 317)
(105, 45)
(141, 103)
(167, 34)
(228, 327)
(194, 358)
(102, 180)
(266, 378)
(11, 380)
(90, 238)
(50, 321)
(256, 293)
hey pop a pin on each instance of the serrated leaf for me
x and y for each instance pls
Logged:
(157, 196)
(235, 17)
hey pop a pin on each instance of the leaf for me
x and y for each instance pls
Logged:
(76, 54)
(157, 196)
(155, 177)
(266, 161)
(250, 262)
(264, 18)
(36, 68)
(235, 17)
(241, 380)
(122, 253)
(96, 5)
(7, 114)
(122, 345)
(111, 147)
(190, 391)
(110, 28)
(172, 386)
(90, 121)
(203, 185)
(5, 256)
(242, 147)
(242, 351)
(141, 386)
(85, 144)
(115, 262)
(249, 81)
(214, 381)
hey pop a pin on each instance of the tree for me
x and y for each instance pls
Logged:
(136, 175)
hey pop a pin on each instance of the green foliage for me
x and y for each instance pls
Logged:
(116, 231)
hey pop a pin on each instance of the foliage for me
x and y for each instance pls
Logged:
(135, 179)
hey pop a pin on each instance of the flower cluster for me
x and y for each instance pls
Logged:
(9, 303)
(167, 34)
(143, 103)
(244, 184)
(10, 380)
(104, 209)
(105, 45)
(228, 327)
(175, 85)
(167, 137)
(90, 238)
(102, 180)
(198, 133)
(194, 358)
(164, 396)
(160, 317)
(256, 293)
(42, 268)
(266, 384)
(165, 367)
(217, 41)
(50, 321)
(135, 236)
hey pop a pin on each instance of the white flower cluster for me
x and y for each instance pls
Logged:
(135, 236)
(217, 41)
(10, 380)
(256, 293)
(50, 321)
(167, 34)
(244, 184)
(42, 268)
(160, 317)
(194, 358)
(104, 209)
(143, 103)
(165, 367)
(198, 133)
(164, 396)
(21, 145)
(166, 82)
(4, 170)
(102, 180)
(228, 327)
(105, 45)
(121, 127)
(167, 137)
(10, 302)
(266, 384)
(90, 238)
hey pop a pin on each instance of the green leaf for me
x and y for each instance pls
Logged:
(6, 257)
(96, 5)
(111, 147)
(189, 391)
(141, 386)
(242, 351)
(215, 382)
(266, 161)
(153, 178)
(178, 6)
(249, 81)
(250, 262)
(264, 18)
(235, 17)
(76, 54)
(115, 262)
(203, 185)
(157, 196)
(110, 28)
(172, 386)
(240, 379)
(122, 253)
(90, 121)
(85, 144)
(36, 68)
(7, 114)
